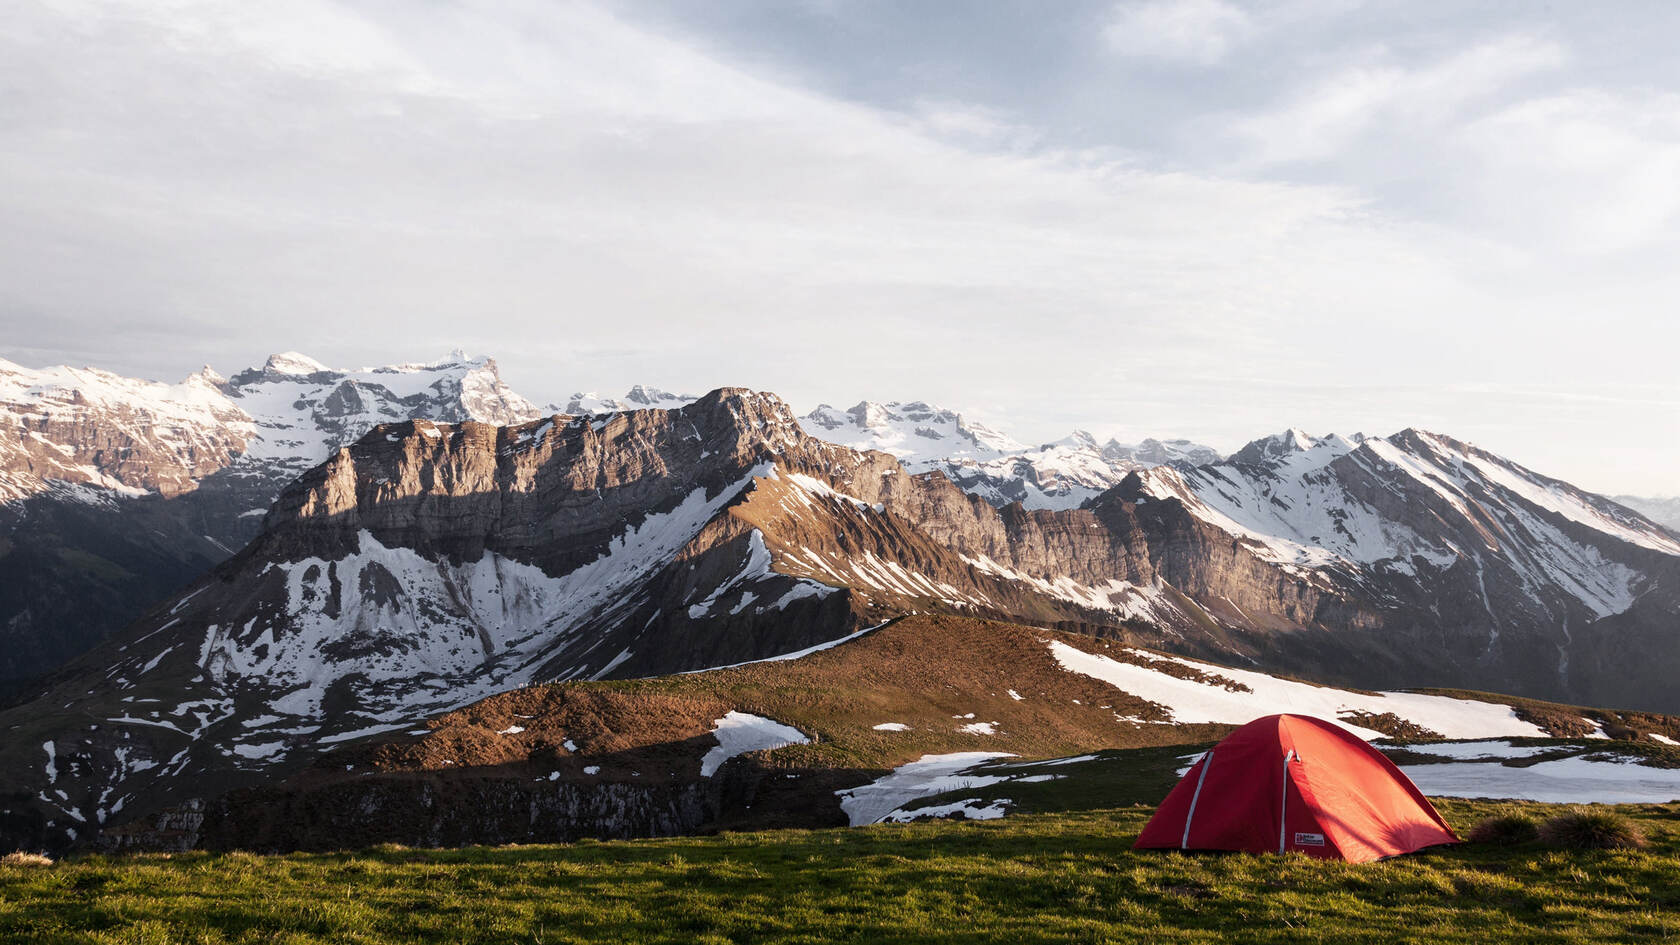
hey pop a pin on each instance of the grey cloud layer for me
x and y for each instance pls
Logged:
(1423, 219)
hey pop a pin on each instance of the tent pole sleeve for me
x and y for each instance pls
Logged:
(1207, 762)
(1283, 806)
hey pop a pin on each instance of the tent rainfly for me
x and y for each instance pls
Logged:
(1293, 783)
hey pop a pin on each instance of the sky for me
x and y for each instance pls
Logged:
(1196, 218)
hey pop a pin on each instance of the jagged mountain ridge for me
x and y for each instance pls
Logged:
(433, 563)
(131, 437)
(1426, 521)
(1059, 475)
(115, 492)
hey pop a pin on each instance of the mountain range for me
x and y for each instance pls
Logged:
(332, 558)
(116, 491)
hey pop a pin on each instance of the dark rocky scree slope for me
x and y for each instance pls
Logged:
(433, 564)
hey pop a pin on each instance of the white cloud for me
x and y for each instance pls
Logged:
(1546, 169)
(1587, 171)
(576, 163)
(1387, 99)
(1194, 31)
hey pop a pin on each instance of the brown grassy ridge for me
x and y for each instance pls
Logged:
(932, 673)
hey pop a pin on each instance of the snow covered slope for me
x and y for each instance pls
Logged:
(303, 410)
(1058, 475)
(119, 434)
(1519, 570)
(1664, 510)
(1310, 502)
(1210, 693)
(129, 436)
(640, 397)
(115, 491)
(855, 733)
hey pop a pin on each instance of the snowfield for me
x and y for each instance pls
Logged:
(1584, 779)
(740, 732)
(971, 808)
(926, 776)
(1192, 701)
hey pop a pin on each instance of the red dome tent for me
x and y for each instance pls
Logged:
(1294, 783)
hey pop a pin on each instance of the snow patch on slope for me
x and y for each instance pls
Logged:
(426, 635)
(740, 732)
(1577, 780)
(1127, 600)
(926, 776)
(1191, 701)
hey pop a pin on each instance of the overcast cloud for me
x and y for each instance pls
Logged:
(1162, 217)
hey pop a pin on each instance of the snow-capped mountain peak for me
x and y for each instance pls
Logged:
(127, 436)
(207, 376)
(1079, 439)
(293, 363)
(121, 435)
(304, 410)
(1295, 440)
(639, 397)
(913, 431)
(1060, 474)
(643, 396)
(1153, 452)
(1370, 508)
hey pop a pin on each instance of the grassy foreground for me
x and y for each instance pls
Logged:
(1068, 877)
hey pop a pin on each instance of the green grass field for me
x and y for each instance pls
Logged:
(1049, 877)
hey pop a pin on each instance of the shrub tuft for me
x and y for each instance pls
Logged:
(1505, 830)
(1587, 829)
(25, 859)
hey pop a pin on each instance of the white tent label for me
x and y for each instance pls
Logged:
(1309, 839)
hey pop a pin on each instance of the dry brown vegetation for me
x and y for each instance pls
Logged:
(934, 674)
(21, 859)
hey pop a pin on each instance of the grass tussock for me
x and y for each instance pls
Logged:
(1588, 828)
(21, 859)
(1505, 830)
